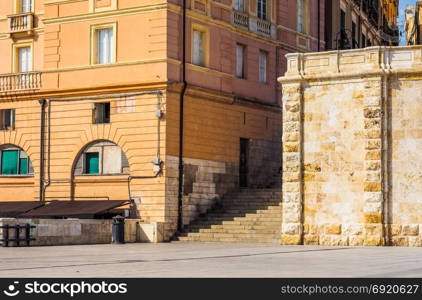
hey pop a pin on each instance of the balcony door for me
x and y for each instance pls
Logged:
(24, 59)
(239, 5)
(25, 6)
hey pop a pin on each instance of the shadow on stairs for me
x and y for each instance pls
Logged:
(247, 216)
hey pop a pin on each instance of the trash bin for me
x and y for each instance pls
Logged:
(118, 230)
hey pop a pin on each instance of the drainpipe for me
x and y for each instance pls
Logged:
(42, 136)
(181, 119)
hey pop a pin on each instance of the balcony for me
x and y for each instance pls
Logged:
(241, 19)
(20, 82)
(263, 27)
(255, 25)
(21, 23)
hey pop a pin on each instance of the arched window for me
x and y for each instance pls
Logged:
(14, 161)
(102, 158)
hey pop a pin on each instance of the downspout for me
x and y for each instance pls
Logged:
(42, 137)
(181, 121)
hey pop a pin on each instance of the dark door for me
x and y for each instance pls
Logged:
(244, 161)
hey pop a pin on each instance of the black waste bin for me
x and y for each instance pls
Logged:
(118, 230)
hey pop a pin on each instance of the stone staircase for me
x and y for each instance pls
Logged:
(250, 216)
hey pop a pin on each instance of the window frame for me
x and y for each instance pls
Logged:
(205, 44)
(244, 53)
(29, 167)
(17, 7)
(12, 118)
(100, 150)
(94, 43)
(305, 22)
(15, 55)
(104, 115)
(266, 55)
(238, 8)
(262, 12)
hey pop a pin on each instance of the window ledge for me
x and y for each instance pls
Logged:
(16, 176)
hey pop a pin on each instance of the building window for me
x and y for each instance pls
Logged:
(240, 61)
(263, 61)
(101, 113)
(198, 53)
(15, 162)
(104, 46)
(239, 5)
(25, 6)
(24, 59)
(262, 9)
(7, 119)
(363, 40)
(354, 44)
(92, 160)
(102, 158)
(301, 19)
(103, 43)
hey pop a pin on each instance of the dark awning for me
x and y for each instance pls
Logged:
(74, 209)
(11, 209)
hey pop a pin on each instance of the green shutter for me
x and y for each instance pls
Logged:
(9, 162)
(23, 166)
(92, 163)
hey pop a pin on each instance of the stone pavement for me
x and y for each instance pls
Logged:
(209, 260)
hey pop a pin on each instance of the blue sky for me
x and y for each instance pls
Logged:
(403, 4)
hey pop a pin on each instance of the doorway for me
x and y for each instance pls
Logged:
(244, 163)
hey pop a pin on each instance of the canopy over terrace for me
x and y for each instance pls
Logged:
(61, 209)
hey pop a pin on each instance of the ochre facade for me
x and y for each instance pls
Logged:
(352, 134)
(58, 90)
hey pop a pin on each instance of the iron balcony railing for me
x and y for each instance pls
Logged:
(263, 26)
(21, 22)
(20, 81)
(241, 19)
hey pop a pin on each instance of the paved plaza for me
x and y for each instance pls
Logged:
(209, 260)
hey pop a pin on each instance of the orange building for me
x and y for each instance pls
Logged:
(101, 99)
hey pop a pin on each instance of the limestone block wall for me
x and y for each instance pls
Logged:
(53, 232)
(352, 136)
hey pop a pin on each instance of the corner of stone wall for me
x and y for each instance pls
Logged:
(292, 224)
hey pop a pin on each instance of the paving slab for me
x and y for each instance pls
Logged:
(209, 260)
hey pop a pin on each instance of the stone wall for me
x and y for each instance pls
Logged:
(53, 232)
(352, 138)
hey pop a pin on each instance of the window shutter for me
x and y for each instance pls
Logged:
(240, 61)
(9, 162)
(198, 51)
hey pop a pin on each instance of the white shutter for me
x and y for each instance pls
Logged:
(198, 51)
(26, 6)
(262, 67)
(24, 56)
(105, 46)
(240, 60)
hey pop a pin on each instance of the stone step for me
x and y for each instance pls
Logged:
(229, 240)
(235, 231)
